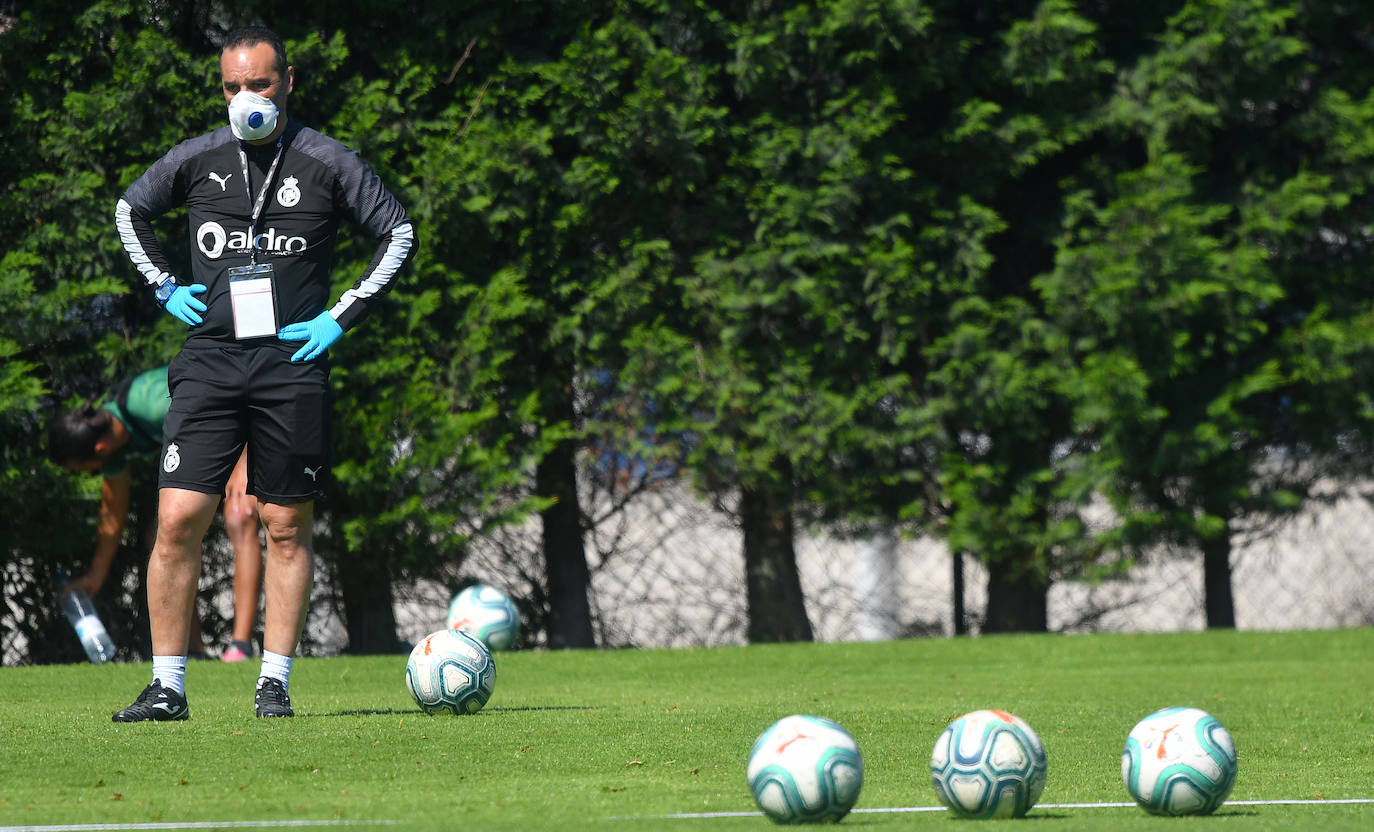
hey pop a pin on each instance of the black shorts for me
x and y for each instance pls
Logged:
(223, 397)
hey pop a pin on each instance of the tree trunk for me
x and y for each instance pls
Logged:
(776, 608)
(369, 618)
(1018, 599)
(565, 559)
(957, 576)
(1216, 580)
(565, 556)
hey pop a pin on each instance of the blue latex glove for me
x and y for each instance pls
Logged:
(319, 334)
(184, 305)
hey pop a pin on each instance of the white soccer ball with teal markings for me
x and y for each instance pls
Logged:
(1179, 761)
(805, 769)
(989, 764)
(485, 612)
(450, 671)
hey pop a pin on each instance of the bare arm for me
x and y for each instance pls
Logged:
(114, 511)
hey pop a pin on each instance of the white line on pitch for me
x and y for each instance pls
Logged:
(905, 809)
(1297, 802)
(220, 824)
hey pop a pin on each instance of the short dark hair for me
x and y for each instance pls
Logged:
(254, 35)
(73, 434)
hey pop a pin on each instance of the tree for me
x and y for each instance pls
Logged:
(70, 330)
(1213, 297)
(1017, 113)
(576, 168)
(765, 367)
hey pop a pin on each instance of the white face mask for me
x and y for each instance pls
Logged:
(251, 116)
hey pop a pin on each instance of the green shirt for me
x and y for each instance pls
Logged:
(140, 404)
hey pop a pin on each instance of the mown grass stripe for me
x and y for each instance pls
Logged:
(223, 824)
(1113, 805)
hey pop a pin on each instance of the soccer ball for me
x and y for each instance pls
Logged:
(451, 671)
(805, 769)
(485, 612)
(1179, 761)
(988, 764)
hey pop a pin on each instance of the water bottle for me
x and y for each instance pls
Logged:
(81, 613)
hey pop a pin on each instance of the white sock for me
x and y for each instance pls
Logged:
(276, 666)
(170, 672)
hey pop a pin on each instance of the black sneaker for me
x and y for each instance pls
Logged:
(155, 703)
(271, 698)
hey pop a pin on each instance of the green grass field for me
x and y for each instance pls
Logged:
(623, 739)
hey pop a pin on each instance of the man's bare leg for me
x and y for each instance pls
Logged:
(242, 529)
(287, 582)
(247, 582)
(242, 525)
(174, 566)
(173, 575)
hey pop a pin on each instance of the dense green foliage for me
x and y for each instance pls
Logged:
(572, 739)
(965, 267)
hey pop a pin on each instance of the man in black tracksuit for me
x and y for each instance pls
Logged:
(264, 197)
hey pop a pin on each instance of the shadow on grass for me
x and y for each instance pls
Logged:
(418, 712)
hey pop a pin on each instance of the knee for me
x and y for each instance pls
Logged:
(283, 533)
(182, 520)
(239, 521)
(288, 530)
(176, 529)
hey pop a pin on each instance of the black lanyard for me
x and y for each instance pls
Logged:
(262, 196)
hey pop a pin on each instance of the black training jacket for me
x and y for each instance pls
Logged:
(317, 183)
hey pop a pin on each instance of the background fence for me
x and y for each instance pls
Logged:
(668, 572)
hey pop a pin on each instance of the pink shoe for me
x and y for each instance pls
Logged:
(233, 654)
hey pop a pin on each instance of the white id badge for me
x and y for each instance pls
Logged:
(250, 295)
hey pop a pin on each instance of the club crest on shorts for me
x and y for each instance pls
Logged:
(172, 460)
(289, 194)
